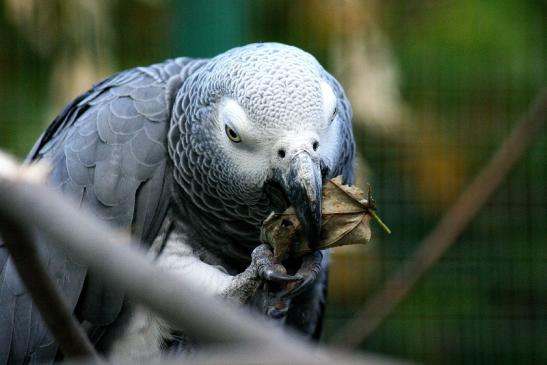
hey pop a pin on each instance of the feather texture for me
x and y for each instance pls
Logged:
(108, 152)
(148, 140)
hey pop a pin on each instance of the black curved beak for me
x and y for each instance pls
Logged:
(302, 184)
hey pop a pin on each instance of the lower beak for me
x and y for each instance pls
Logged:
(302, 185)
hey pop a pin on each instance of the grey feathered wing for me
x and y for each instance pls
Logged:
(343, 159)
(108, 152)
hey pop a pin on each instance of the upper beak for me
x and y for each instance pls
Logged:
(302, 184)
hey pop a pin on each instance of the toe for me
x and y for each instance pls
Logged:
(309, 270)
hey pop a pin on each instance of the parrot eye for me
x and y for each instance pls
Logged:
(232, 134)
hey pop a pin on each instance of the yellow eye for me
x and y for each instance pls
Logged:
(232, 134)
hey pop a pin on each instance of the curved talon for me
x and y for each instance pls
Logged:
(272, 275)
(309, 270)
(268, 269)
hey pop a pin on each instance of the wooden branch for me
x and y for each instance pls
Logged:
(449, 228)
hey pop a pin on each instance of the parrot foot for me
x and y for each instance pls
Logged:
(280, 287)
(268, 282)
(268, 269)
(273, 272)
(308, 272)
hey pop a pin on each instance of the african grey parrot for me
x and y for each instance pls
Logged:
(190, 155)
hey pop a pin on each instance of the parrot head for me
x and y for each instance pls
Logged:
(259, 125)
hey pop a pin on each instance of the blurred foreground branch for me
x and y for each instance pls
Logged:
(177, 300)
(54, 310)
(452, 224)
(17, 236)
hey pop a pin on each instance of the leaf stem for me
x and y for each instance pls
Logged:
(382, 224)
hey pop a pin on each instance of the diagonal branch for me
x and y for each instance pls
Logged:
(52, 306)
(453, 223)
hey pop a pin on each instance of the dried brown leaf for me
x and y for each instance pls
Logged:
(346, 221)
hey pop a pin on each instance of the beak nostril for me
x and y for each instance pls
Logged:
(281, 153)
(315, 145)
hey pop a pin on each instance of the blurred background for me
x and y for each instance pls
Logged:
(436, 86)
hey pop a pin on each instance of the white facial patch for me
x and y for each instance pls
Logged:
(251, 155)
(329, 100)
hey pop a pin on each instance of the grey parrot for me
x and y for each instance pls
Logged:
(190, 156)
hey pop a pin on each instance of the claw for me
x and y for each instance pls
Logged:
(309, 270)
(280, 287)
(275, 276)
(268, 269)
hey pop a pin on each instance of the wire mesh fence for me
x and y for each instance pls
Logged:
(485, 301)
